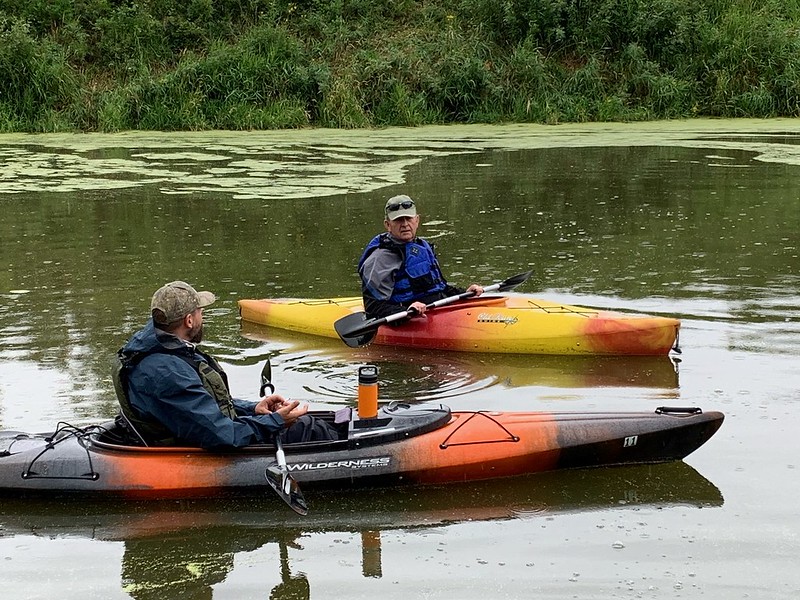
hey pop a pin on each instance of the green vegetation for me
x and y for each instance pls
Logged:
(110, 65)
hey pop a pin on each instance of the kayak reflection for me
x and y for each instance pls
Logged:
(327, 367)
(180, 549)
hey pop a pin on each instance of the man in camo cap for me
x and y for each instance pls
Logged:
(176, 300)
(172, 393)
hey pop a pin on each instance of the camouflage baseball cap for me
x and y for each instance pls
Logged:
(176, 300)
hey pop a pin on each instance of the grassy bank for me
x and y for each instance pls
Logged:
(109, 65)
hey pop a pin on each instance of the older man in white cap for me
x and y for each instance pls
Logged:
(398, 270)
(170, 392)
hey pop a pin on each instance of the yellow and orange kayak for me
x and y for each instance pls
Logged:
(514, 323)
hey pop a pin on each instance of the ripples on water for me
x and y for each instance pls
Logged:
(327, 372)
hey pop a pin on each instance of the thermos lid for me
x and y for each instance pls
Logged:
(368, 374)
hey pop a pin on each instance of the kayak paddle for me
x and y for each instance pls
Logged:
(356, 330)
(278, 476)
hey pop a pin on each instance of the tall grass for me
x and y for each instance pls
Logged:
(263, 81)
(38, 88)
(253, 64)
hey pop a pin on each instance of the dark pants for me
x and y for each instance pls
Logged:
(309, 429)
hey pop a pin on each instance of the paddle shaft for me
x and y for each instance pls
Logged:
(280, 456)
(355, 331)
(443, 302)
(287, 489)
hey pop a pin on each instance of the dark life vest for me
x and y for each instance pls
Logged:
(150, 431)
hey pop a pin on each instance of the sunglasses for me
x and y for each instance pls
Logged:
(398, 205)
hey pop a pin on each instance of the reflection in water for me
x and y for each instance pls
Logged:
(177, 566)
(188, 564)
(181, 549)
(325, 366)
(291, 587)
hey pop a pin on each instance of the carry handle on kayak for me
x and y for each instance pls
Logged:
(278, 475)
(356, 331)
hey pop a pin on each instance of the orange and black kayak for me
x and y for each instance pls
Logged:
(404, 444)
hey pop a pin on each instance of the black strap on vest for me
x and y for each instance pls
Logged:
(143, 429)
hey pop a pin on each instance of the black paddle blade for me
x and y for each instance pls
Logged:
(287, 488)
(266, 377)
(355, 330)
(513, 282)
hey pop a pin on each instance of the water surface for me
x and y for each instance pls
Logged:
(694, 219)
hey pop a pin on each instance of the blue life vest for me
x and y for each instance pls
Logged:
(419, 274)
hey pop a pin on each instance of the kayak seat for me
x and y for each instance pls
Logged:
(118, 433)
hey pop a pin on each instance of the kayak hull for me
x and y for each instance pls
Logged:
(512, 323)
(441, 447)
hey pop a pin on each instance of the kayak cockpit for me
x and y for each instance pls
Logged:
(394, 421)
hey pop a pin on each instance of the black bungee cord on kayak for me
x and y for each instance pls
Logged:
(506, 437)
(63, 432)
